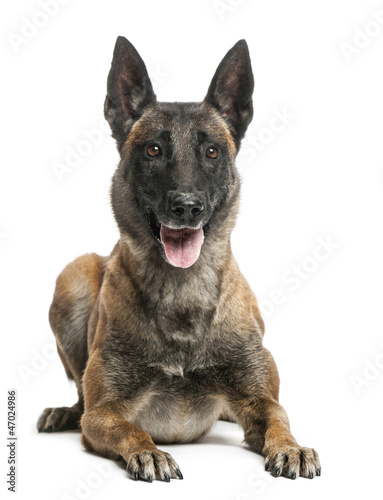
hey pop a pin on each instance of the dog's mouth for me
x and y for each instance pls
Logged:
(182, 246)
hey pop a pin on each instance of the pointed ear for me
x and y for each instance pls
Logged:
(231, 89)
(129, 89)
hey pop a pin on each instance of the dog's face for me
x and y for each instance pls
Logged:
(177, 181)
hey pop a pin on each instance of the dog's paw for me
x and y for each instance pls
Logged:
(59, 419)
(292, 462)
(153, 464)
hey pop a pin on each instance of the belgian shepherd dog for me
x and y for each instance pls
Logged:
(164, 336)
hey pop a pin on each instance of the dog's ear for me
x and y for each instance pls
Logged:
(129, 89)
(231, 89)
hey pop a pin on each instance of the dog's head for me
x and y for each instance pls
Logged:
(176, 184)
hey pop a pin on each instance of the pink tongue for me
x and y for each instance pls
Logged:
(182, 246)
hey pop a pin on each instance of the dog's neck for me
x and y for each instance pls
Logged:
(180, 303)
(197, 287)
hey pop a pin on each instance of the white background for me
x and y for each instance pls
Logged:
(319, 177)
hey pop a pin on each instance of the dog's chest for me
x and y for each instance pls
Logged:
(176, 410)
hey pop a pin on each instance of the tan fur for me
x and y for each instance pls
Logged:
(160, 352)
(77, 289)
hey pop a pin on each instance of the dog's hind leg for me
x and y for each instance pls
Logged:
(77, 288)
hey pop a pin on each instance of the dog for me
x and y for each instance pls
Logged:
(164, 336)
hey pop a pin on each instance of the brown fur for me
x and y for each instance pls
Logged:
(159, 353)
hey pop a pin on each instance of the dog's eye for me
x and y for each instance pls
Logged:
(153, 150)
(212, 153)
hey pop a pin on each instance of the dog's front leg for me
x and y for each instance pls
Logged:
(108, 433)
(267, 430)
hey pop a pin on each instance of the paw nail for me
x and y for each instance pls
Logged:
(135, 476)
(276, 472)
(179, 474)
(167, 477)
(293, 475)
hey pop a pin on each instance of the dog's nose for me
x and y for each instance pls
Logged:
(186, 205)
